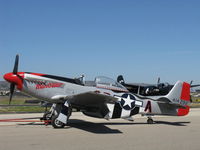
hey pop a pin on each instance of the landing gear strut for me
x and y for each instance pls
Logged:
(47, 117)
(58, 115)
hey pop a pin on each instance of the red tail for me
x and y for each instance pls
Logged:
(185, 95)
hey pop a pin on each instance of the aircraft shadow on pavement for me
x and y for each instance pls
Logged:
(155, 122)
(101, 128)
(97, 128)
(173, 123)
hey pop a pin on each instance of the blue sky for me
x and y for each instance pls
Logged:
(141, 39)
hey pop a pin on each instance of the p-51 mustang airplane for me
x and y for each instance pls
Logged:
(105, 99)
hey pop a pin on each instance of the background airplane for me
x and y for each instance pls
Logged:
(144, 89)
(106, 98)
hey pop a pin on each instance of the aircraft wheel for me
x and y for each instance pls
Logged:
(150, 121)
(56, 123)
(47, 116)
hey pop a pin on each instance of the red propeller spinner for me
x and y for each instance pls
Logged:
(15, 78)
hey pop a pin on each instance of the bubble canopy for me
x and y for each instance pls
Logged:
(102, 80)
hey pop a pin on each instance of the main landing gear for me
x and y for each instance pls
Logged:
(58, 115)
(56, 123)
(47, 118)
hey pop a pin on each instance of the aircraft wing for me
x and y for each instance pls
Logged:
(91, 99)
(87, 99)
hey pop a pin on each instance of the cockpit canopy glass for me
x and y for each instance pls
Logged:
(108, 82)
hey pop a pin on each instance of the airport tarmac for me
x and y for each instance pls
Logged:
(85, 133)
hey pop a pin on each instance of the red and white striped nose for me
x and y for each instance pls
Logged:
(17, 79)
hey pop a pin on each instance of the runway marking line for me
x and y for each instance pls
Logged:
(20, 120)
(46, 122)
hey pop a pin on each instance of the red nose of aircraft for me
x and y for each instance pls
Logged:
(15, 78)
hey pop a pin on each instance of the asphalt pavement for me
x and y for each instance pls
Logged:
(26, 132)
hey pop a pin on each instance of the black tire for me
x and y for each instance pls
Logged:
(47, 116)
(150, 121)
(56, 124)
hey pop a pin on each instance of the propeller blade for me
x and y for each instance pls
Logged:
(15, 69)
(191, 82)
(195, 85)
(12, 88)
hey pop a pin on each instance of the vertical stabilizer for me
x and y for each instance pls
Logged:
(180, 94)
